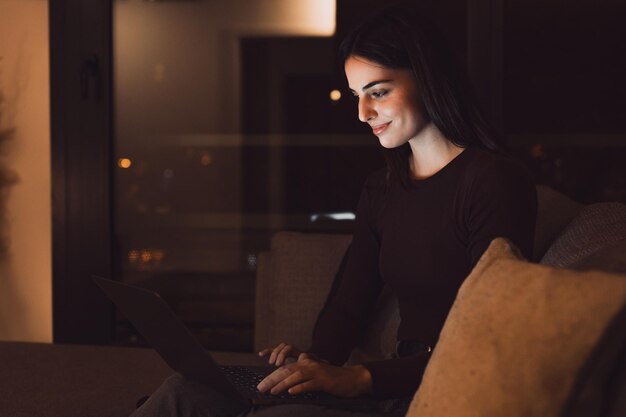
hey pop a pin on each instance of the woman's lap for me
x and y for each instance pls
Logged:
(179, 397)
(301, 410)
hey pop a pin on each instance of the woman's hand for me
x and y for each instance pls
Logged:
(280, 354)
(310, 374)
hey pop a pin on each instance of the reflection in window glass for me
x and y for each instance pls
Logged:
(225, 132)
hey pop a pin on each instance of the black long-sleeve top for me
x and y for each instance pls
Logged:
(422, 242)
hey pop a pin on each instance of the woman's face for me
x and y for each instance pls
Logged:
(388, 100)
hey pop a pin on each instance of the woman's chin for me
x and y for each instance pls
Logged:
(388, 144)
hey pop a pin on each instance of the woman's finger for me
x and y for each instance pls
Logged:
(306, 386)
(283, 354)
(265, 352)
(275, 353)
(295, 378)
(274, 378)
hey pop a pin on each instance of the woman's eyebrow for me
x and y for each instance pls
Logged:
(372, 84)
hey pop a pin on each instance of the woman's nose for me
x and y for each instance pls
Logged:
(366, 112)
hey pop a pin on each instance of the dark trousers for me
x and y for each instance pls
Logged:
(180, 397)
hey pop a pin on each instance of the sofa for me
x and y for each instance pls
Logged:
(576, 248)
(572, 243)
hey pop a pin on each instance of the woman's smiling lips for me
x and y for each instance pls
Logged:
(379, 128)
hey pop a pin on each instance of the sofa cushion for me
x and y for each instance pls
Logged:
(595, 227)
(307, 264)
(523, 339)
(554, 212)
(611, 258)
(293, 288)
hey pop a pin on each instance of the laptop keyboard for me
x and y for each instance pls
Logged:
(248, 379)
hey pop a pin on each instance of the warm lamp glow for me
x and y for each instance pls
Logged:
(158, 255)
(313, 17)
(323, 13)
(145, 255)
(124, 163)
(145, 258)
(206, 159)
(335, 95)
(133, 255)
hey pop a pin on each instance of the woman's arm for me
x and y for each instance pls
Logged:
(346, 314)
(339, 327)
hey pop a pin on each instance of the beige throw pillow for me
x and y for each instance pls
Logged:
(517, 339)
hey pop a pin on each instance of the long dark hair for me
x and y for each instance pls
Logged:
(401, 38)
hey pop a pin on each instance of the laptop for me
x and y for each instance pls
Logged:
(167, 334)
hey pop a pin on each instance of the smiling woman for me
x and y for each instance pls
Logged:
(416, 57)
(388, 101)
(421, 225)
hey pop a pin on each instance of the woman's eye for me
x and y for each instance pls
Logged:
(379, 94)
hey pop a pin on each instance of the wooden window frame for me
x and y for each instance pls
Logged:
(81, 150)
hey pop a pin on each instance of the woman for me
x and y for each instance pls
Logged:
(422, 223)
